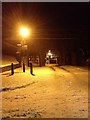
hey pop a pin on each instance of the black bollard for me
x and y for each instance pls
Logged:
(31, 68)
(12, 69)
(23, 67)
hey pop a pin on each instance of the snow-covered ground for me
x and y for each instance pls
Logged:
(53, 92)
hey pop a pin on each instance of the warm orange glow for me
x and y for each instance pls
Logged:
(24, 32)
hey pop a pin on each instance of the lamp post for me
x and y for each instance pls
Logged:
(24, 32)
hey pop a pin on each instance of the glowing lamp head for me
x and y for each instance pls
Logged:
(24, 32)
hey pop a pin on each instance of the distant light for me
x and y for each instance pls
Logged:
(24, 32)
(49, 54)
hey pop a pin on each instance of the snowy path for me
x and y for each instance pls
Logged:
(54, 92)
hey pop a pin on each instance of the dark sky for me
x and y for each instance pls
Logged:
(53, 24)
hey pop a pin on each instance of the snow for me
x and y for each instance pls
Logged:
(54, 92)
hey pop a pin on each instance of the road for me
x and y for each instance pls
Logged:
(53, 92)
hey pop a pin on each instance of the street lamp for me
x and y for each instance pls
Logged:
(24, 32)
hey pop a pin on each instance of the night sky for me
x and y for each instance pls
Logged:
(53, 25)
